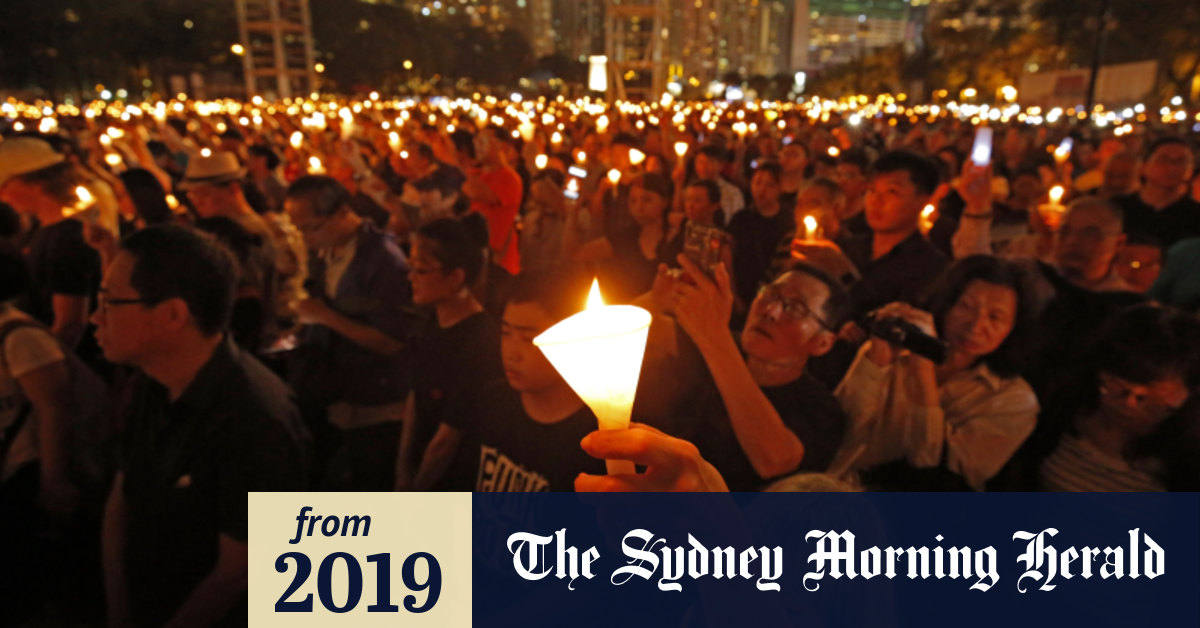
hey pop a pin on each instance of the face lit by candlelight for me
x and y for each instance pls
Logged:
(783, 322)
(525, 366)
(645, 206)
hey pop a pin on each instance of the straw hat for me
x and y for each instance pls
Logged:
(219, 167)
(23, 155)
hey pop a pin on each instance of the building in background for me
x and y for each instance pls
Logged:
(842, 30)
(277, 49)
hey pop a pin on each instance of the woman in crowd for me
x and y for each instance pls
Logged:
(951, 425)
(628, 260)
(1132, 430)
(457, 348)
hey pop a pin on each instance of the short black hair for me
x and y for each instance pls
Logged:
(772, 168)
(10, 221)
(1103, 204)
(710, 187)
(827, 184)
(1006, 360)
(176, 262)
(838, 306)
(657, 184)
(1168, 140)
(324, 194)
(453, 247)
(626, 139)
(57, 181)
(445, 179)
(146, 192)
(425, 151)
(1147, 343)
(921, 170)
(714, 152)
(560, 293)
(856, 157)
(259, 150)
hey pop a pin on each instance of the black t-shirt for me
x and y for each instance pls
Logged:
(1173, 223)
(449, 361)
(188, 466)
(755, 238)
(503, 449)
(629, 274)
(806, 407)
(60, 262)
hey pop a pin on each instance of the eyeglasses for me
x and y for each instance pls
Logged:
(794, 309)
(1144, 397)
(103, 302)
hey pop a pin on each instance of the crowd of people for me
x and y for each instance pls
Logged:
(195, 307)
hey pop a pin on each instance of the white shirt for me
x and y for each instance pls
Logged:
(25, 350)
(981, 421)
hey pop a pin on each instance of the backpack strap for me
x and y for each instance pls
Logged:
(9, 434)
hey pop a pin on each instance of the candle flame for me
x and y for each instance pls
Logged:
(297, 139)
(681, 148)
(112, 159)
(614, 176)
(636, 156)
(172, 202)
(810, 223)
(556, 138)
(928, 211)
(581, 157)
(84, 195)
(834, 152)
(540, 161)
(1056, 194)
(594, 301)
(315, 166)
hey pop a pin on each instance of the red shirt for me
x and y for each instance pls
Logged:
(505, 183)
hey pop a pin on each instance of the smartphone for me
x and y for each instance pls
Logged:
(705, 246)
(981, 152)
(577, 172)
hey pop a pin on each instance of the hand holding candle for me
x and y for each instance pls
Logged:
(599, 353)
(1053, 211)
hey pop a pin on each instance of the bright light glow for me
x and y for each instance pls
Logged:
(297, 139)
(598, 73)
(636, 157)
(601, 124)
(834, 152)
(237, 49)
(1056, 194)
(810, 228)
(681, 148)
(315, 166)
(599, 353)
(540, 161)
(112, 159)
(614, 176)
(206, 152)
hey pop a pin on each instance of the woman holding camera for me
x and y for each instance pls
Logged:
(919, 425)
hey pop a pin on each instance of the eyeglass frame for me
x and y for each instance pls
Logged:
(772, 292)
(103, 302)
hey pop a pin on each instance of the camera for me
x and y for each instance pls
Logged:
(906, 335)
(705, 246)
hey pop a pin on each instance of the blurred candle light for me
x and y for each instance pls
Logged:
(614, 176)
(681, 148)
(927, 218)
(296, 139)
(315, 166)
(599, 353)
(540, 161)
(636, 157)
(810, 229)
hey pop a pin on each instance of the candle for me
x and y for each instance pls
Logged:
(810, 229)
(681, 148)
(927, 218)
(636, 157)
(394, 140)
(581, 157)
(84, 202)
(113, 160)
(834, 152)
(173, 203)
(614, 176)
(556, 138)
(315, 166)
(206, 152)
(296, 140)
(1052, 212)
(599, 353)
(540, 161)
(601, 124)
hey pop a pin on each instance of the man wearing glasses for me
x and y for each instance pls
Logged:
(352, 368)
(205, 424)
(760, 415)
